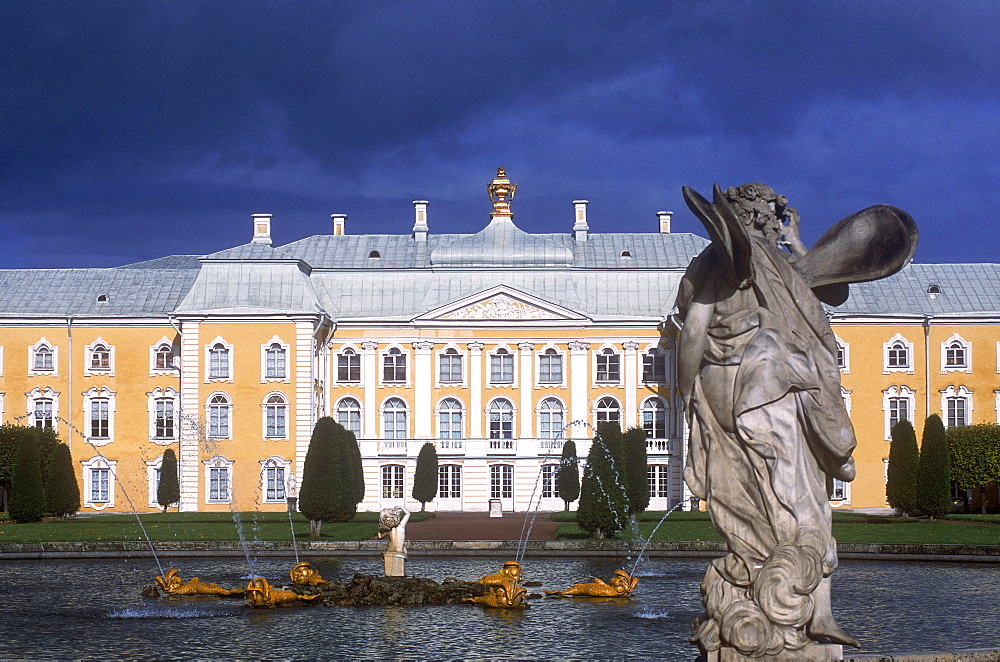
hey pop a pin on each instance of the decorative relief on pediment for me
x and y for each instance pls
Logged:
(498, 307)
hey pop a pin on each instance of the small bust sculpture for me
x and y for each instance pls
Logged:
(620, 586)
(260, 593)
(304, 575)
(392, 522)
(172, 584)
(503, 589)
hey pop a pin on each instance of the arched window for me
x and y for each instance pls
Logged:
(392, 481)
(450, 419)
(654, 418)
(274, 362)
(274, 475)
(43, 358)
(394, 419)
(348, 366)
(502, 367)
(275, 416)
(609, 366)
(501, 415)
(550, 367)
(218, 361)
(164, 357)
(551, 419)
(100, 357)
(654, 366)
(218, 416)
(955, 355)
(349, 415)
(898, 355)
(450, 366)
(608, 409)
(394, 366)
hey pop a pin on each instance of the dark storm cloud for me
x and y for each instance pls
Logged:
(170, 123)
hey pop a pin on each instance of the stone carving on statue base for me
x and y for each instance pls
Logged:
(392, 523)
(758, 375)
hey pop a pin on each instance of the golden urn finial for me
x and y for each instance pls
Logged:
(501, 191)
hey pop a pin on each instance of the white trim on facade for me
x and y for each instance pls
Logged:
(53, 350)
(284, 347)
(958, 345)
(904, 393)
(99, 358)
(895, 344)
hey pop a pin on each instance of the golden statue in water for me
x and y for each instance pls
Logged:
(503, 589)
(620, 586)
(260, 593)
(172, 584)
(304, 575)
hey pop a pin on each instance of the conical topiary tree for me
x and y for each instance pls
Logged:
(934, 473)
(27, 497)
(345, 485)
(62, 493)
(904, 461)
(636, 470)
(603, 509)
(169, 489)
(317, 495)
(425, 477)
(357, 467)
(568, 481)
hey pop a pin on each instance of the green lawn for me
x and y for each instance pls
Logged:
(193, 527)
(847, 527)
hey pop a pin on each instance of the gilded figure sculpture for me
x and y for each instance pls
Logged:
(758, 376)
(172, 584)
(261, 594)
(305, 575)
(503, 589)
(620, 585)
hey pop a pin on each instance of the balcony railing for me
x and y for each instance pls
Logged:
(658, 445)
(502, 445)
(451, 444)
(551, 444)
(392, 446)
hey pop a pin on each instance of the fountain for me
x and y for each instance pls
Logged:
(172, 584)
(620, 586)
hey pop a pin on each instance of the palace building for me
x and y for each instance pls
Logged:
(495, 346)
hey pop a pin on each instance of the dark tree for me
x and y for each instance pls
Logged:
(425, 478)
(62, 492)
(975, 456)
(568, 480)
(934, 474)
(904, 462)
(27, 495)
(636, 470)
(329, 487)
(603, 509)
(357, 467)
(169, 489)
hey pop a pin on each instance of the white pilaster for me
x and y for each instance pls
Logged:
(630, 417)
(423, 378)
(525, 385)
(476, 390)
(304, 379)
(369, 374)
(579, 364)
(190, 417)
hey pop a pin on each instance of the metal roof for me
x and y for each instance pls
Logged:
(963, 290)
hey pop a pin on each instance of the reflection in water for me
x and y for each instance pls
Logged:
(888, 606)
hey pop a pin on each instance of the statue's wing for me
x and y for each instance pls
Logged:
(726, 232)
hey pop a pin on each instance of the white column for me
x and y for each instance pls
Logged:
(525, 384)
(631, 383)
(579, 367)
(423, 378)
(476, 390)
(304, 378)
(190, 416)
(369, 373)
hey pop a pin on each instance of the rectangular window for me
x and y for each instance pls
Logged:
(276, 420)
(957, 412)
(502, 368)
(394, 367)
(99, 419)
(348, 367)
(43, 413)
(218, 484)
(550, 369)
(100, 485)
(501, 481)
(838, 491)
(608, 367)
(218, 421)
(275, 479)
(659, 481)
(654, 367)
(450, 481)
(43, 359)
(164, 358)
(218, 363)
(350, 419)
(654, 422)
(165, 419)
(551, 426)
(899, 410)
(451, 368)
(392, 482)
(275, 368)
(450, 424)
(550, 481)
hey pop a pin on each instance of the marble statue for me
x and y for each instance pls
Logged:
(760, 385)
(303, 574)
(620, 586)
(503, 589)
(392, 523)
(172, 584)
(260, 594)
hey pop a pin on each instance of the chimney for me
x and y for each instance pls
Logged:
(664, 217)
(420, 228)
(261, 229)
(339, 223)
(580, 227)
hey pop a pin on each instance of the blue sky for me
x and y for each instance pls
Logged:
(132, 130)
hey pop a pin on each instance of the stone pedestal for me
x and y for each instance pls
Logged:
(395, 564)
(496, 508)
(811, 653)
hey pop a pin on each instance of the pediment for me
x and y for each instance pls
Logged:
(501, 303)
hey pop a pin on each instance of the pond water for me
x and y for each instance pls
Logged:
(92, 608)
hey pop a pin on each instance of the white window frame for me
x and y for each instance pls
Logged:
(90, 396)
(551, 435)
(903, 392)
(845, 395)
(507, 351)
(230, 363)
(608, 350)
(218, 462)
(549, 479)
(550, 351)
(33, 349)
(360, 410)
(966, 347)
(102, 463)
(1, 360)
(2, 417)
(845, 348)
(455, 472)
(659, 480)
(596, 409)
(908, 368)
(956, 393)
(89, 352)
(396, 470)
(494, 403)
(407, 365)
(45, 393)
(845, 489)
(463, 366)
(154, 349)
(357, 353)
(285, 410)
(208, 415)
(647, 407)
(153, 480)
(157, 394)
(264, 349)
(275, 462)
(498, 483)
(405, 410)
(663, 356)
(996, 396)
(448, 442)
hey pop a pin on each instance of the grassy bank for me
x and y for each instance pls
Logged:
(194, 527)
